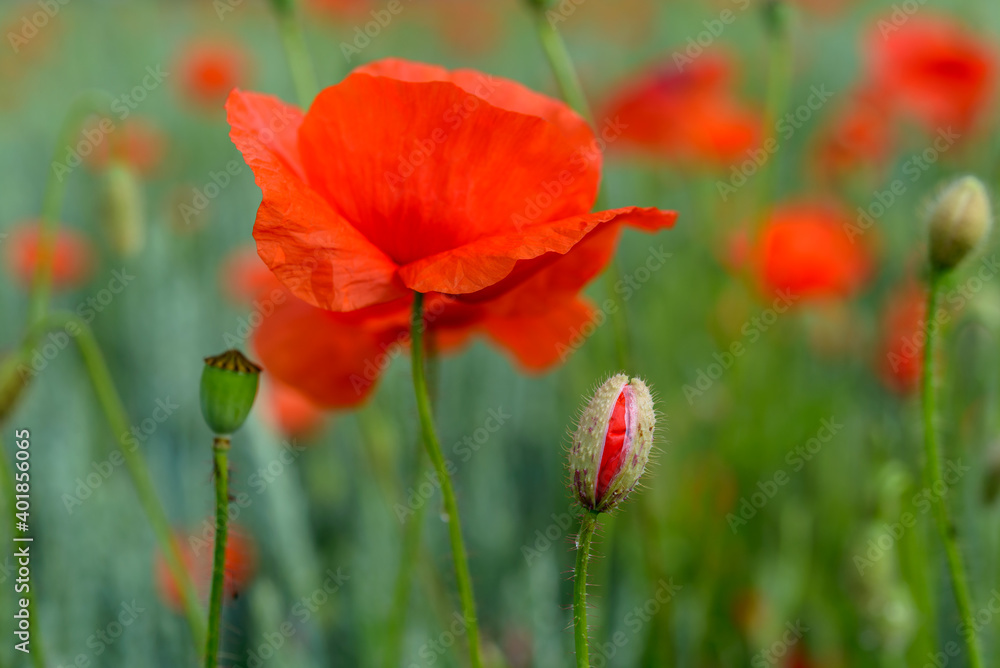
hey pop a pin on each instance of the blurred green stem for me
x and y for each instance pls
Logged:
(561, 63)
(8, 483)
(114, 411)
(220, 452)
(588, 524)
(779, 78)
(933, 479)
(433, 447)
(91, 102)
(55, 190)
(623, 348)
(572, 92)
(404, 575)
(294, 42)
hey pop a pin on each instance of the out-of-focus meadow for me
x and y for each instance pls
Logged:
(784, 521)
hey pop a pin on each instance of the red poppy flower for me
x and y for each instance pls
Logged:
(859, 137)
(799, 658)
(935, 69)
(339, 8)
(196, 556)
(410, 177)
(537, 316)
(208, 70)
(312, 357)
(803, 249)
(686, 111)
(333, 359)
(901, 351)
(72, 263)
(137, 142)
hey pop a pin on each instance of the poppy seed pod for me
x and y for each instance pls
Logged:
(612, 443)
(959, 219)
(228, 388)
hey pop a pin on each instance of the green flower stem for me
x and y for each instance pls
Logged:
(932, 476)
(588, 524)
(294, 43)
(433, 447)
(114, 411)
(572, 92)
(779, 78)
(561, 63)
(41, 282)
(7, 485)
(220, 451)
(52, 199)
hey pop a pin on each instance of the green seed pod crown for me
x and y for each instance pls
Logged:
(612, 443)
(228, 388)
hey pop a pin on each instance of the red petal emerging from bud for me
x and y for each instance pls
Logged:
(612, 442)
(621, 430)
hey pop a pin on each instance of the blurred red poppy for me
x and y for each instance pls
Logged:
(804, 249)
(196, 555)
(288, 411)
(207, 70)
(859, 137)
(333, 359)
(293, 339)
(72, 263)
(339, 9)
(409, 177)
(685, 111)
(247, 281)
(935, 70)
(901, 350)
(137, 142)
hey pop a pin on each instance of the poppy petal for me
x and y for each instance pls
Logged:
(329, 357)
(472, 171)
(499, 92)
(541, 340)
(482, 263)
(312, 249)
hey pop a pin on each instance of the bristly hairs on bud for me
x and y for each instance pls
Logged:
(593, 487)
(654, 452)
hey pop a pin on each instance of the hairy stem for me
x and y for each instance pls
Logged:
(433, 446)
(933, 479)
(220, 452)
(588, 524)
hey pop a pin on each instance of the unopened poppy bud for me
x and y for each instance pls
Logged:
(123, 218)
(228, 388)
(612, 443)
(959, 219)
